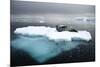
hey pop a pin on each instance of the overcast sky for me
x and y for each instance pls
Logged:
(22, 7)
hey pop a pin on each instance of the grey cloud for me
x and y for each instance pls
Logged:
(22, 7)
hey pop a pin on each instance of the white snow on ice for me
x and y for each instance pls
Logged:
(52, 34)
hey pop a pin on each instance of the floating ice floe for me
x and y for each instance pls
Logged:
(53, 34)
(41, 49)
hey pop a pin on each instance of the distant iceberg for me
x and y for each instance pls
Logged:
(84, 19)
(53, 34)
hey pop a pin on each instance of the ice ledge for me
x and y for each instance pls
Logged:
(52, 34)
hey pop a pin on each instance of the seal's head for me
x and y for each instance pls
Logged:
(61, 28)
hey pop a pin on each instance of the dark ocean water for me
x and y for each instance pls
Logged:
(68, 52)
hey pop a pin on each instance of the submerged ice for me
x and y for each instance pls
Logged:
(41, 44)
(40, 48)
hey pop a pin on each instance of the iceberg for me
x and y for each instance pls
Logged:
(43, 48)
(53, 34)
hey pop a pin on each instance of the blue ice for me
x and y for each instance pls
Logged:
(41, 48)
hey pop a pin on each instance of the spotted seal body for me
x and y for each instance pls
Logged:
(61, 28)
